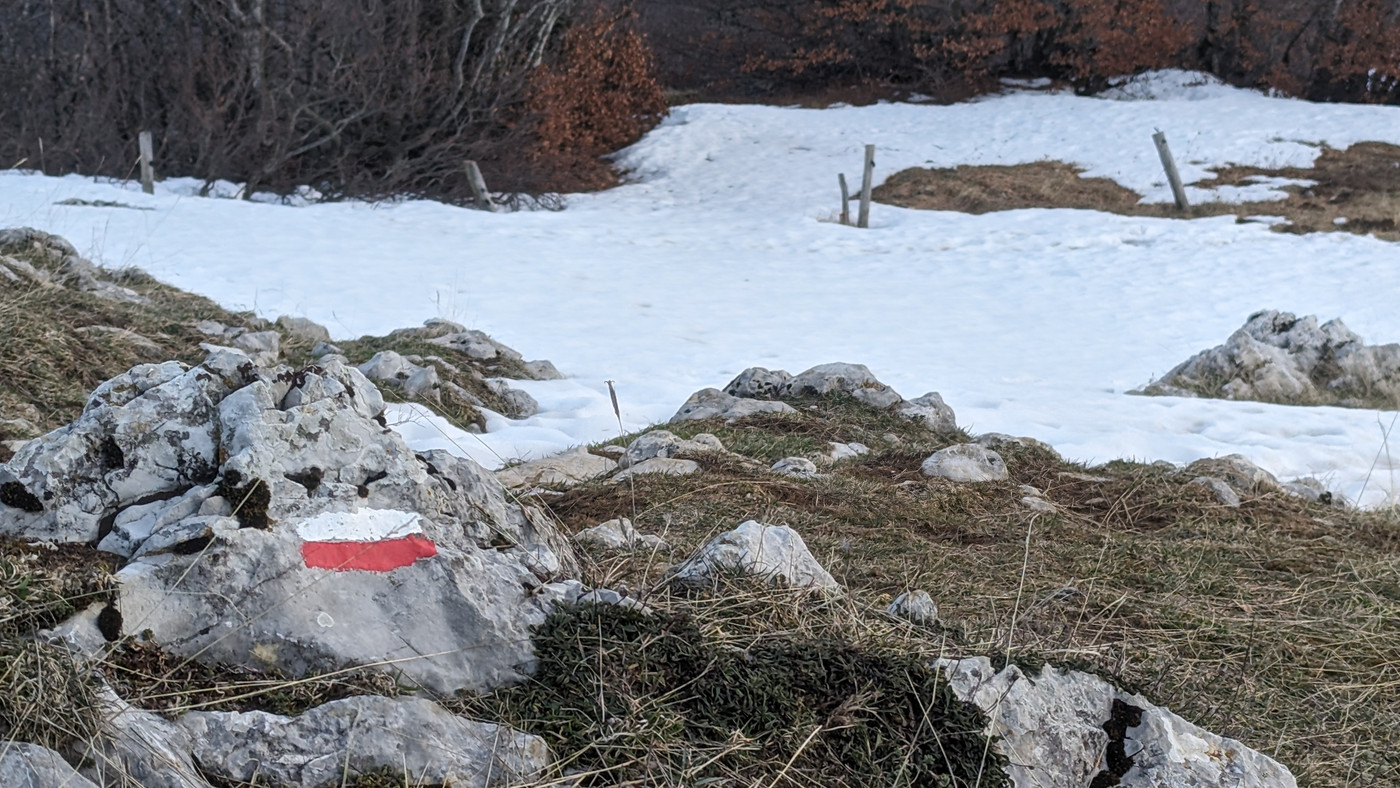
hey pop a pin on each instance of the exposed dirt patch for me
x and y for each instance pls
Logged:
(1357, 190)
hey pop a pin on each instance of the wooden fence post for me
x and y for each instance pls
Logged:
(148, 169)
(480, 195)
(864, 220)
(845, 200)
(1169, 164)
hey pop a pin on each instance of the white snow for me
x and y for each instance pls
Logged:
(719, 254)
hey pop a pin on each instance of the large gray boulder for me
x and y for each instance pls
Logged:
(24, 765)
(1058, 728)
(773, 552)
(715, 404)
(350, 737)
(272, 521)
(854, 380)
(1277, 357)
(759, 383)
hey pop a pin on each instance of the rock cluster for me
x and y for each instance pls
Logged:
(756, 391)
(1277, 357)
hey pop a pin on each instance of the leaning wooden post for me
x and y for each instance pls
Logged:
(845, 200)
(480, 195)
(1169, 164)
(148, 169)
(864, 220)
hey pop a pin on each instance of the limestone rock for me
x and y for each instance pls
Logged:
(662, 443)
(847, 451)
(759, 383)
(659, 465)
(557, 472)
(1051, 727)
(931, 411)
(1314, 491)
(854, 380)
(1236, 471)
(139, 747)
(518, 404)
(915, 606)
(715, 404)
(24, 765)
(476, 345)
(542, 370)
(1277, 357)
(1223, 492)
(775, 552)
(417, 382)
(619, 534)
(965, 462)
(322, 349)
(261, 345)
(996, 440)
(795, 466)
(304, 329)
(318, 748)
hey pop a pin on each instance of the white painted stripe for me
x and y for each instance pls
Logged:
(365, 525)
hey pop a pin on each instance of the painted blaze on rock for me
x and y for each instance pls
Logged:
(370, 540)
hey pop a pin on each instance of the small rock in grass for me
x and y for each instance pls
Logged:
(663, 443)
(301, 328)
(1223, 492)
(715, 404)
(662, 465)
(854, 380)
(931, 411)
(795, 466)
(774, 552)
(561, 470)
(618, 534)
(759, 383)
(1236, 471)
(965, 462)
(847, 451)
(915, 606)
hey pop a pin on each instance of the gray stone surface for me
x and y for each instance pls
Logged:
(775, 552)
(542, 370)
(916, 606)
(319, 748)
(1237, 471)
(24, 765)
(854, 380)
(1277, 357)
(415, 381)
(476, 345)
(138, 747)
(795, 466)
(1223, 492)
(517, 402)
(759, 383)
(662, 443)
(847, 451)
(715, 404)
(557, 472)
(965, 462)
(997, 440)
(931, 411)
(1051, 728)
(304, 329)
(658, 465)
(619, 534)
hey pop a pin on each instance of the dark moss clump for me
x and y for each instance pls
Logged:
(629, 693)
(16, 495)
(250, 501)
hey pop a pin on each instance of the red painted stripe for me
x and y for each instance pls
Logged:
(381, 556)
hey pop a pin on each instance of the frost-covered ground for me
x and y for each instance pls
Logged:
(718, 255)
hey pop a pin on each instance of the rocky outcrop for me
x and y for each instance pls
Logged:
(715, 404)
(347, 738)
(25, 765)
(1064, 729)
(560, 471)
(1277, 357)
(915, 606)
(773, 552)
(271, 520)
(662, 443)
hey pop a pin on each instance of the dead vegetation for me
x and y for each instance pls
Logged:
(1355, 190)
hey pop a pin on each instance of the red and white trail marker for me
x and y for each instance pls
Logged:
(368, 540)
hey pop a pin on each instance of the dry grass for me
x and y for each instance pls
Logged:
(1357, 190)
(1277, 623)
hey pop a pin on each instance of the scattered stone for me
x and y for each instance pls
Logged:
(996, 440)
(759, 383)
(475, 344)
(560, 471)
(611, 450)
(775, 552)
(20, 428)
(24, 765)
(660, 465)
(1058, 728)
(795, 466)
(715, 404)
(1277, 357)
(847, 451)
(541, 370)
(854, 380)
(663, 443)
(965, 462)
(607, 596)
(1236, 471)
(618, 534)
(1223, 492)
(322, 349)
(932, 411)
(518, 404)
(914, 606)
(137, 747)
(354, 736)
(1314, 491)
(1038, 504)
(303, 329)
(414, 381)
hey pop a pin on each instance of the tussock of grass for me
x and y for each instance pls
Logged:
(1357, 190)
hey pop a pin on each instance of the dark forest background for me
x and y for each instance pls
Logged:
(378, 98)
